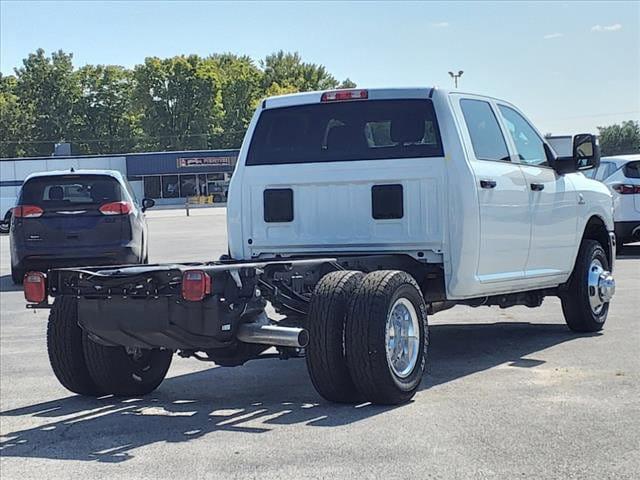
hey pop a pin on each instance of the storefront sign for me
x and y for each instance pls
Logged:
(205, 161)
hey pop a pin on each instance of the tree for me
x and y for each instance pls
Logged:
(240, 92)
(178, 100)
(290, 73)
(620, 139)
(48, 92)
(12, 120)
(105, 118)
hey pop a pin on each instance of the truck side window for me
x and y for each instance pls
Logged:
(528, 143)
(486, 137)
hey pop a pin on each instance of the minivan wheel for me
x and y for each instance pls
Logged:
(585, 300)
(17, 275)
(126, 371)
(65, 348)
(326, 361)
(387, 337)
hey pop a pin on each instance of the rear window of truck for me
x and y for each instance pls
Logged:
(61, 191)
(344, 131)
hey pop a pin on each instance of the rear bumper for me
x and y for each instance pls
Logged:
(627, 232)
(44, 258)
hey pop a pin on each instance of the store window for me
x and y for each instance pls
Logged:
(170, 186)
(188, 186)
(152, 187)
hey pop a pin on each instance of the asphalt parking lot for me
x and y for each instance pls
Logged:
(510, 394)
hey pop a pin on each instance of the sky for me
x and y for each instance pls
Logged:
(570, 66)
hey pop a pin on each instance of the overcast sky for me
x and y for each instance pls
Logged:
(570, 66)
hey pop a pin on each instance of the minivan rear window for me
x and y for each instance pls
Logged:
(632, 170)
(63, 191)
(343, 131)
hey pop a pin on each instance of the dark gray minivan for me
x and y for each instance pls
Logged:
(77, 218)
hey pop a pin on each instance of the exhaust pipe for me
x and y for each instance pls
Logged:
(273, 335)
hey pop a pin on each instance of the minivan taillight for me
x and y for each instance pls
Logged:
(116, 208)
(195, 285)
(27, 211)
(341, 95)
(35, 287)
(626, 189)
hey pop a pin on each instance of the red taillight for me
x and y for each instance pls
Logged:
(27, 211)
(116, 208)
(626, 189)
(341, 95)
(35, 287)
(195, 285)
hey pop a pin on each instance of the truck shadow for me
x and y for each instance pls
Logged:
(252, 399)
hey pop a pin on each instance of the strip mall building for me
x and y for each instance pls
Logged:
(167, 177)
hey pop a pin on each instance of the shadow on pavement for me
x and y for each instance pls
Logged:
(252, 399)
(628, 251)
(7, 285)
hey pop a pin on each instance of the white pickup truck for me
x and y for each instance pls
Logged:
(355, 214)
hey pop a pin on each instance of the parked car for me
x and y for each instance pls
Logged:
(76, 218)
(622, 175)
(355, 213)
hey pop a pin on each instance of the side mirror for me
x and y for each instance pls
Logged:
(147, 203)
(586, 155)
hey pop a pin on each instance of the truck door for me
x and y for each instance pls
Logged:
(552, 199)
(502, 194)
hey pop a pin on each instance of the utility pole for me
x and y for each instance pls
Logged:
(456, 76)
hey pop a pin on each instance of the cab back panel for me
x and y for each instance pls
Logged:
(333, 207)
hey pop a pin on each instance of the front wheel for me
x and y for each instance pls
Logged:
(585, 301)
(387, 337)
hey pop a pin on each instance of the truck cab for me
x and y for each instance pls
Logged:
(459, 180)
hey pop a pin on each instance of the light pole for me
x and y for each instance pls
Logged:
(456, 76)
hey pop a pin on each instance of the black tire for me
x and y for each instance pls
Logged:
(366, 337)
(65, 347)
(17, 275)
(119, 373)
(575, 299)
(326, 360)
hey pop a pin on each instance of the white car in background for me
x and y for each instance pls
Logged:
(622, 175)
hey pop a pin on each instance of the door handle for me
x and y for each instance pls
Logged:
(537, 187)
(488, 183)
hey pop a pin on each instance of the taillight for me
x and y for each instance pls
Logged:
(340, 95)
(27, 211)
(116, 208)
(35, 287)
(626, 189)
(195, 285)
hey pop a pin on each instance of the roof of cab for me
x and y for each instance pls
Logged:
(373, 94)
(52, 173)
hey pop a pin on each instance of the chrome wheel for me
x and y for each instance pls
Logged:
(402, 338)
(601, 285)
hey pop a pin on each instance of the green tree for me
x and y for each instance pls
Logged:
(12, 120)
(179, 102)
(240, 93)
(347, 83)
(105, 119)
(290, 73)
(620, 139)
(48, 93)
